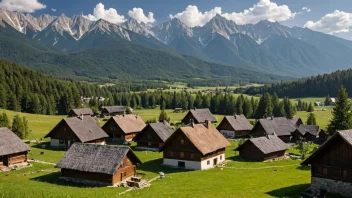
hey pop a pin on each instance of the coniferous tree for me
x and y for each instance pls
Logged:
(289, 108)
(4, 120)
(163, 116)
(264, 107)
(327, 100)
(18, 127)
(247, 108)
(311, 120)
(239, 105)
(342, 117)
(310, 108)
(3, 98)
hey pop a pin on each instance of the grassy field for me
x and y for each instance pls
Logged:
(237, 179)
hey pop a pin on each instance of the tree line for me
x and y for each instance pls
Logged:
(19, 125)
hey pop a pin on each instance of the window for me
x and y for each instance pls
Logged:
(182, 155)
(62, 142)
(124, 174)
(149, 136)
(149, 143)
(208, 162)
(344, 173)
(171, 154)
(182, 141)
(325, 171)
(181, 164)
(192, 156)
(220, 157)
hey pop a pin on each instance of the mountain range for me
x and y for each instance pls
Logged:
(170, 50)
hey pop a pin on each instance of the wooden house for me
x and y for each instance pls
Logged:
(12, 149)
(235, 126)
(322, 137)
(281, 127)
(306, 133)
(80, 112)
(76, 129)
(196, 147)
(263, 148)
(113, 110)
(154, 135)
(296, 121)
(124, 127)
(331, 165)
(199, 116)
(99, 165)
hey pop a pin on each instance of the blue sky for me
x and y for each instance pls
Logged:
(328, 16)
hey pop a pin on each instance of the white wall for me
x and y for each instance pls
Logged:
(56, 143)
(193, 165)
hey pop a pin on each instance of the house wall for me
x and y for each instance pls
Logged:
(105, 178)
(115, 132)
(188, 117)
(149, 138)
(15, 158)
(196, 165)
(98, 142)
(331, 186)
(285, 138)
(258, 131)
(63, 132)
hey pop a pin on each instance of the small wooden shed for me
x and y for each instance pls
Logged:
(99, 165)
(331, 165)
(305, 132)
(124, 127)
(236, 126)
(263, 148)
(80, 112)
(12, 149)
(199, 116)
(154, 135)
(113, 110)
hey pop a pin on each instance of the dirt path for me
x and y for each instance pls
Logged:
(265, 167)
(130, 189)
(42, 162)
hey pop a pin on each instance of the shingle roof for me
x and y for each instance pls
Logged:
(295, 120)
(82, 111)
(201, 115)
(129, 123)
(311, 129)
(267, 145)
(206, 140)
(239, 123)
(277, 126)
(10, 143)
(95, 158)
(114, 109)
(345, 135)
(86, 130)
(162, 129)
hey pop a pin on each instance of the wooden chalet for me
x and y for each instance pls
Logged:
(306, 133)
(124, 127)
(196, 147)
(99, 165)
(154, 135)
(199, 116)
(235, 126)
(263, 148)
(296, 121)
(76, 129)
(113, 110)
(281, 127)
(12, 149)
(322, 137)
(80, 112)
(331, 165)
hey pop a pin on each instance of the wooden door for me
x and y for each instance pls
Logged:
(215, 161)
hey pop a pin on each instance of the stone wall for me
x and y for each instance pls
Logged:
(331, 186)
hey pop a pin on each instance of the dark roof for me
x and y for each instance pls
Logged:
(267, 145)
(129, 123)
(82, 111)
(201, 115)
(114, 109)
(311, 129)
(239, 123)
(295, 121)
(162, 129)
(346, 135)
(95, 158)
(277, 126)
(86, 129)
(10, 143)
(205, 139)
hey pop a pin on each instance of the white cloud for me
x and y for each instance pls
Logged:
(53, 9)
(22, 5)
(138, 14)
(263, 10)
(333, 23)
(193, 17)
(110, 14)
(306, 9)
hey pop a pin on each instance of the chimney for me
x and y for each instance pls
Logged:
(82, 117)
(207, 123)
(272, 117)
(235, 116)
(195, 108)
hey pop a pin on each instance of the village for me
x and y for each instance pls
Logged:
(108, 154)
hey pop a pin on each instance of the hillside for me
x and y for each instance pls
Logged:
(315, 86)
